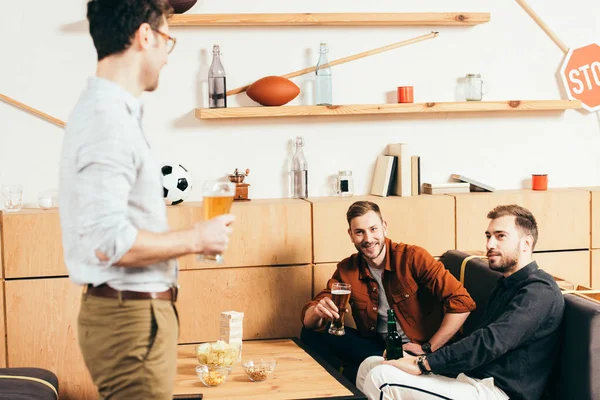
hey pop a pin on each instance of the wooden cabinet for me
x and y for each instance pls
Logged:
(32, 244)
(2, 327)
(427, 221)
(321, 274)
(572, 266)
(41, 331)
(271, 299)
(266, 232)
(595, 284)
(563, 217)
(595, 215)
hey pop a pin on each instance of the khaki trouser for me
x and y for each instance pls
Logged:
(130, 348)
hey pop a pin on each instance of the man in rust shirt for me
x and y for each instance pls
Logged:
(429, 303)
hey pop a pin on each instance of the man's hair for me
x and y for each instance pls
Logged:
(360, 208)
(113, 23)
(524, 219)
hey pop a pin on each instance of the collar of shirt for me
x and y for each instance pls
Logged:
(518, 276)
(133, 104)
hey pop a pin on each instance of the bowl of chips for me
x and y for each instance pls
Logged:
(217, 354)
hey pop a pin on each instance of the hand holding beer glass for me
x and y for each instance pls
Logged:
(340, 295)
(218, 197)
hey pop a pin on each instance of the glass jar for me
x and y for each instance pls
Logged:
(473, 87)
(344, 184)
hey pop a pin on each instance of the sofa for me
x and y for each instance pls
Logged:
(28, 384)
(577, 371)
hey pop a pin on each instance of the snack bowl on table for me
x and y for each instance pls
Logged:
(259, 370)
(212, 375)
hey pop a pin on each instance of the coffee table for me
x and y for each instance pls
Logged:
(298, 375)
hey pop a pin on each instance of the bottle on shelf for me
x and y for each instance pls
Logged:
(323, 86)
(393, 343)
(217, 87)
(299, 171)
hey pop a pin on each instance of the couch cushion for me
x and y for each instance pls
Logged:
(479, 282)
(24, 389)
(579, 368)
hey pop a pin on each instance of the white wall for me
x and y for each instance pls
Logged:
(47, 55)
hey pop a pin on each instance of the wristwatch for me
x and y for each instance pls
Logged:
(426, 347)
(421, 365)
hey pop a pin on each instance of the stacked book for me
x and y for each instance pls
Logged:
(447, 187)
(231, 329)
(397, 173)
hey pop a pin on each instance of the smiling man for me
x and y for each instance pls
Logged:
(429, 303)
(512, 352)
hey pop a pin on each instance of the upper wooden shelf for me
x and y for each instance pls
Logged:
(379, 109)
(331, 19)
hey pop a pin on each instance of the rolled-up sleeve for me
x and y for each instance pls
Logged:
(106, 172)
(432, 273)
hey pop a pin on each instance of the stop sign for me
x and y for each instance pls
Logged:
(581, 76)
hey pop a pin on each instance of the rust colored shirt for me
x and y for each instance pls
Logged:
(418, 288)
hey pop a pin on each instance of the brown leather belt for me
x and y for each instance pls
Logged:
(106, 291)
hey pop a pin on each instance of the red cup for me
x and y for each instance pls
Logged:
(539, 182)
(405, 94)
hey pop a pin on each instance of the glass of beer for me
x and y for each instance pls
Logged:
(218, 197)
(340, 294)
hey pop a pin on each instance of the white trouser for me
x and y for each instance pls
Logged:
(386, 382)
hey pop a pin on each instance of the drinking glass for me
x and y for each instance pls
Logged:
(12, 197)
(218, 197)
(340, 294)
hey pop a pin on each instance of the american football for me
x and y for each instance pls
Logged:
(273, 91)
(181, 6)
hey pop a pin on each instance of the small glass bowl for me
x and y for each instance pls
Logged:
(259, 370)
(212, 375)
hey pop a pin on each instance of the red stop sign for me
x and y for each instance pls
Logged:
(581, 76)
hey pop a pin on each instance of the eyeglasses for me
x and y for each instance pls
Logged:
(169, 40)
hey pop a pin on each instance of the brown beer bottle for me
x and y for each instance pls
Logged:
(393, 343)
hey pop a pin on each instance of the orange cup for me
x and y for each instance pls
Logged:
(539, 181)
(405, 94)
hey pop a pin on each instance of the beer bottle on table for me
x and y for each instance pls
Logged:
(393, 343)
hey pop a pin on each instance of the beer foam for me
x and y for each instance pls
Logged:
(340, 292)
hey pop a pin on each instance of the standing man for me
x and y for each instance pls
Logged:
(429, 303)
(116, 237)
(511, 354)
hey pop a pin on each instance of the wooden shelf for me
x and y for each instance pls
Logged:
(331, 19)
(379, 109)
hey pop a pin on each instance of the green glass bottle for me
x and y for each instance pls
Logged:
(393, 343)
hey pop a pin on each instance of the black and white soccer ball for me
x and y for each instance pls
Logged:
(177, 183)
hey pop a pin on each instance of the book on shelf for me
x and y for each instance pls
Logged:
(415, 175)
(475, 186)
(401, 184)
(446, 188)
(385, 169)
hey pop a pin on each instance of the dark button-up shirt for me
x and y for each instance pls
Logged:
(517, 340)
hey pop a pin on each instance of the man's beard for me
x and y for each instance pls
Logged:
(507, 263)
(360, 250)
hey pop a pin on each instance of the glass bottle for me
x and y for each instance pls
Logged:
(323, 86)
(393, 342)
(300, 171)
(217, 88)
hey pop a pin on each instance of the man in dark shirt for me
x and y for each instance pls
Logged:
(512, 352)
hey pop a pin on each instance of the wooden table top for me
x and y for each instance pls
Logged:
(297, 375)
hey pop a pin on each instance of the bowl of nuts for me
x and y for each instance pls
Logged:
(212, 375)
(259, 370)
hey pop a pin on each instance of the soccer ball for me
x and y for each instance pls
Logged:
(177, 183)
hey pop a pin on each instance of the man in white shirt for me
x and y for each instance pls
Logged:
(116, 238)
